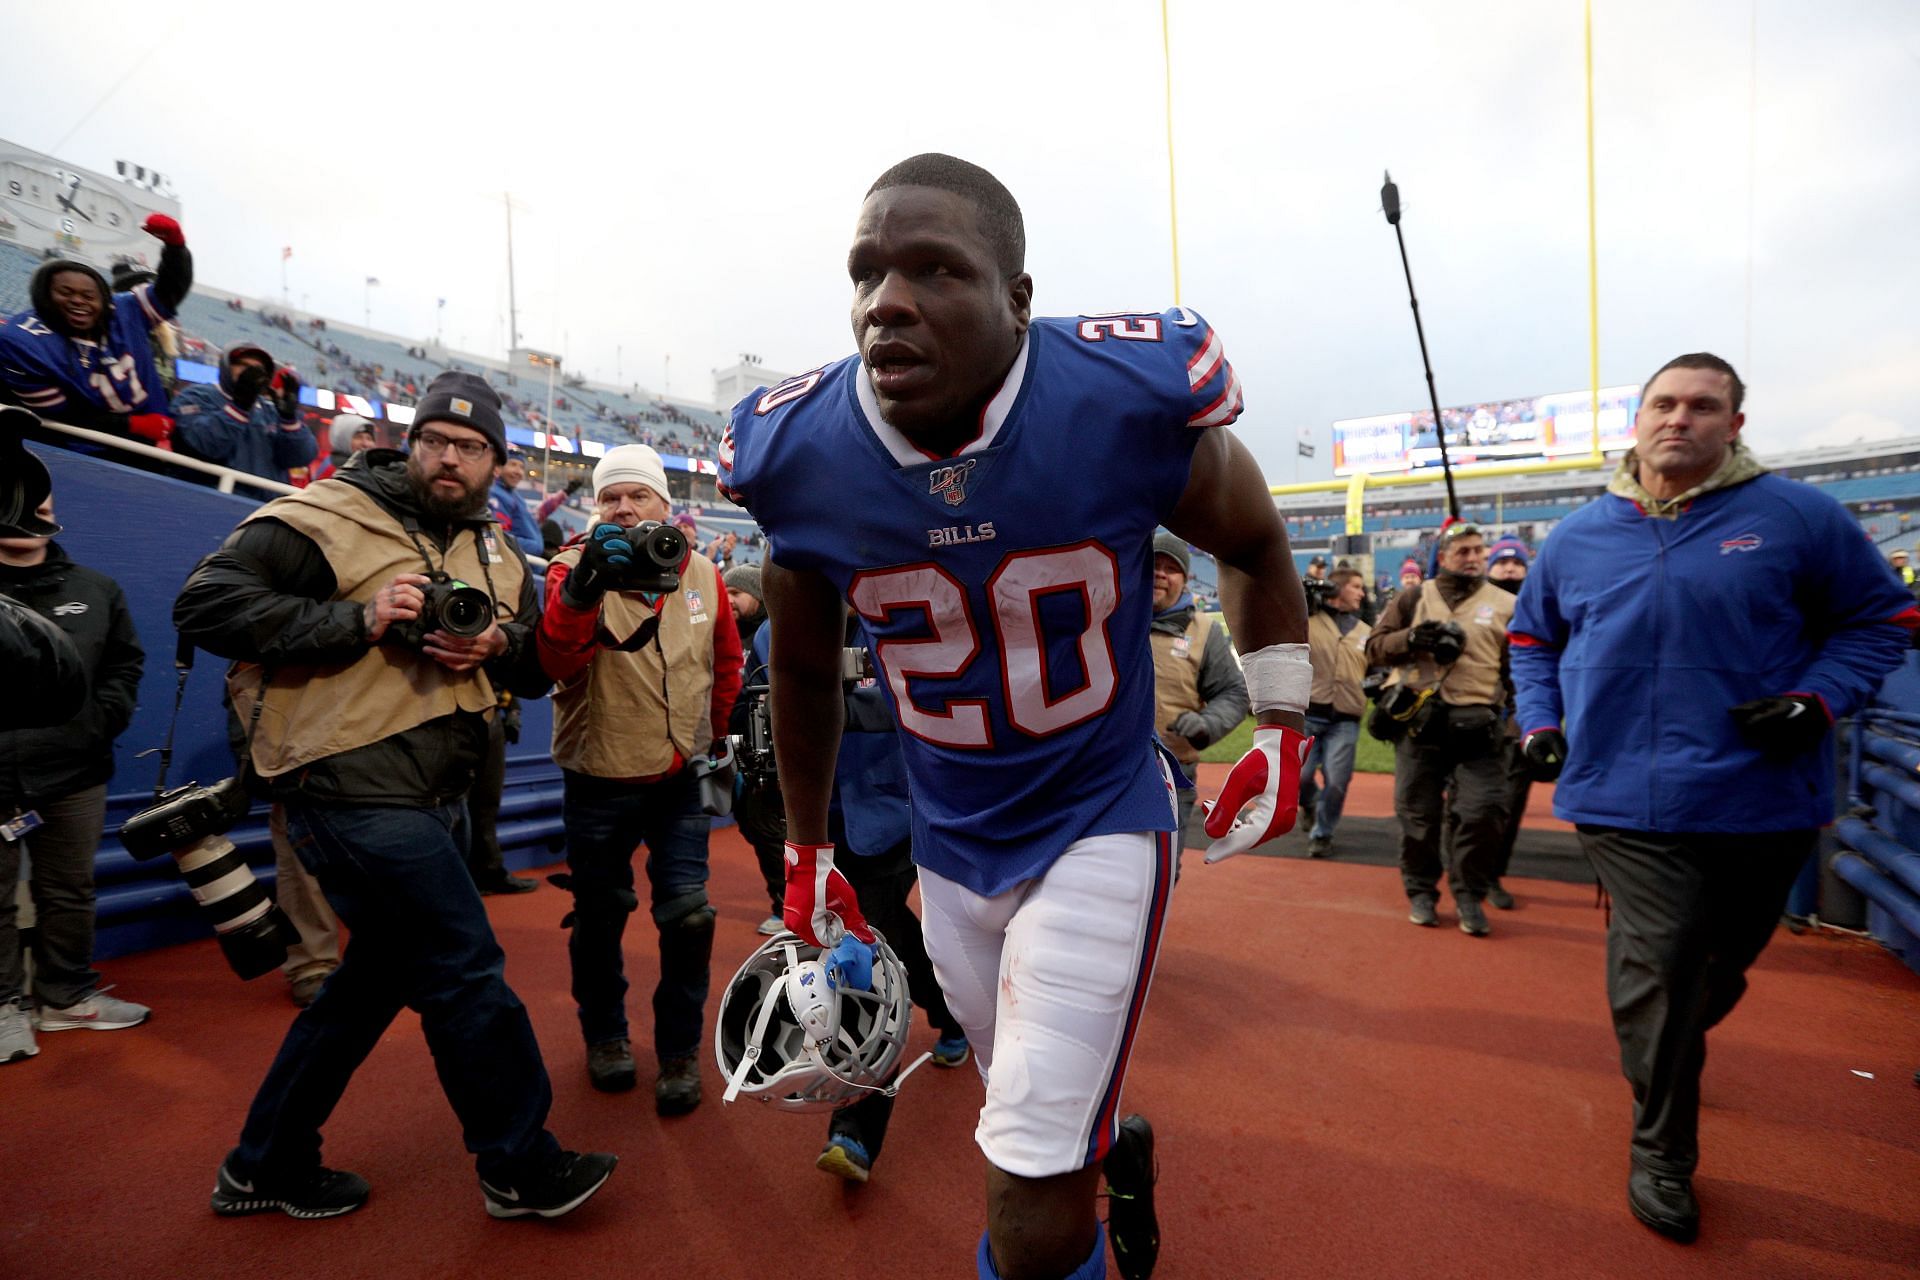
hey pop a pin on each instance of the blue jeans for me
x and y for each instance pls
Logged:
(605, 819)
(1334, 742)
(420, 940)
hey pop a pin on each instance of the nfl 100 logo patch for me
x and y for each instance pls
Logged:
(951, 481)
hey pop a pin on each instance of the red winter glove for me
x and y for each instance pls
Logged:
(164, 229)
(820, 904)
(1266, 783)
(284, 390)
(154, 428)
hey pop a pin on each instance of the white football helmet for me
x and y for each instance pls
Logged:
(792, 1034)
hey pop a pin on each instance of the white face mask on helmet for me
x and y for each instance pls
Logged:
(792, 1033)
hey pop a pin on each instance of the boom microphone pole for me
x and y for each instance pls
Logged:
(1390, 204)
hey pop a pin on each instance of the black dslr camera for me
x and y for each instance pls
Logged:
(190, 823)
(451, 606)
(1320, 593)
(753, 750)
(655, 551)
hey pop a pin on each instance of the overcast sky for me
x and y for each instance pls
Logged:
(688, 177)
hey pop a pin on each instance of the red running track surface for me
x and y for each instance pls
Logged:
(1336, 1093)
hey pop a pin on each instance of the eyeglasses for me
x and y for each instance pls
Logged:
(432, 442)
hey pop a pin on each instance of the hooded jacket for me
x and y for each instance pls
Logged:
(94, 379)
(220, 424)
(1643, 624)
(267, 596)
(40, 765)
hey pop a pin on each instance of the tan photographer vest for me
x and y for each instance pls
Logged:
(1339, 663)
(1473, 680)
(320, 710)
(628, 713)
(1176, 680)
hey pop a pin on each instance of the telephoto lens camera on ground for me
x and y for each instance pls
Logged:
(451, 606)
(190, 823)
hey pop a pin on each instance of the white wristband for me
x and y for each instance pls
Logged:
(1279, 678)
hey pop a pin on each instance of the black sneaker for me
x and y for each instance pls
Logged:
(1420, 910)
(610, 1066)
(316, 1193)
(1664, 1203)
(677, 1091)
(1132, 1228)
(1473, 921)
(1499, 897)
(558, 1186)
(1319, 846)
(507, 883)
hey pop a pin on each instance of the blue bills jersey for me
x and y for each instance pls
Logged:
(1006, 590)
(48, 372)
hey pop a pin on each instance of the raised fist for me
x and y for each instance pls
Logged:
(164, 229)
(285, 390)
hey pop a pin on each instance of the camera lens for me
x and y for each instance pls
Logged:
(465, 612)
(665, 545)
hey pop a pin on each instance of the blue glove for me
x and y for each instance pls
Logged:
(604, 557)
(852, 960)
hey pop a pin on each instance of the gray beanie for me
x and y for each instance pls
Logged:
(1172, 544)
(344, 428)
(745, 577)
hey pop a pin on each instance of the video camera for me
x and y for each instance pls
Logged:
(1320, 593)
(753, 750)
(190, 823)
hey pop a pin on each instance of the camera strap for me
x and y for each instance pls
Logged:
(183, 666)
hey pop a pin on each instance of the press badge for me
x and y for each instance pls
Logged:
(19, 825)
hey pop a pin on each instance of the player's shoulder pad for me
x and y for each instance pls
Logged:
(1177, 348)
(756, 421)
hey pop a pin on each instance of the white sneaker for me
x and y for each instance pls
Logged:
(98, 1012)
(772, 925)
(16, 1032)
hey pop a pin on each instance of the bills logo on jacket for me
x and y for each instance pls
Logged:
(1745, 542)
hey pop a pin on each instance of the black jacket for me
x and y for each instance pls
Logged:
(267, 596)
(39, 765)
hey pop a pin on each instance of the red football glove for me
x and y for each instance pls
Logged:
(820, 904)
(1266, 783)
(284, 390)
(155, 429)
(164, 229)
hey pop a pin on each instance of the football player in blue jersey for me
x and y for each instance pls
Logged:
(983, 488)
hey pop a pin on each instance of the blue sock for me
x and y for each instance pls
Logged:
(1094, 1268)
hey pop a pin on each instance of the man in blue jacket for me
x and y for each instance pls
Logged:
(504, 501)
(249, 420)
(1698, 629)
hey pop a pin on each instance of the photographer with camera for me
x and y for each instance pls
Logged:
(639, 634)
(366, 671)
(53, 787)
(758, 809)
(1444, 706)
(1199, 694)
(249, 420)
(1337, 646)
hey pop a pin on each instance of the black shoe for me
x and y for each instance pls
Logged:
(1664, 1203)
(1473, 921)
(1132, 1228)
(1499, 897)
(1319, 846)
(677, 1091)
(610, 1066)
(558, 1186)
(316, 1193)
(1420, 910)
(507, 883)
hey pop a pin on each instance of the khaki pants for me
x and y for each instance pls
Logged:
(318, 951)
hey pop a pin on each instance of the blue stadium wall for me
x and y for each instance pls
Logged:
(147, 532)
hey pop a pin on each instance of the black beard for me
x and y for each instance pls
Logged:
(447, 508)
(1509, 585)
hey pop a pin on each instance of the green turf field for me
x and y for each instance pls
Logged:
(1372, 755)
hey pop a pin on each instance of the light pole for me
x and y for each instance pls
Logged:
(366, 305)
